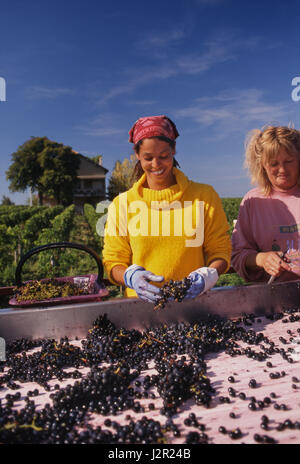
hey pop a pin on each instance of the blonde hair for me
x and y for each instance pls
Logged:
(262, 146)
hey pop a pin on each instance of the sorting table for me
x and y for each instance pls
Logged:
(220, 366)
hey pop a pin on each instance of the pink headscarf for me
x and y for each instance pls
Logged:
(152, 126)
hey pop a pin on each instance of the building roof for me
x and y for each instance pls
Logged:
(95, 165)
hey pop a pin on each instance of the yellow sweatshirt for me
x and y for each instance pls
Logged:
(169, 232)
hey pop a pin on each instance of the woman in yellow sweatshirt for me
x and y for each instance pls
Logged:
(166, 226)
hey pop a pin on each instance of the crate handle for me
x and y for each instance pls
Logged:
(50, 246)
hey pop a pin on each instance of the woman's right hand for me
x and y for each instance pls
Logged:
(272, 262)
(137, 278)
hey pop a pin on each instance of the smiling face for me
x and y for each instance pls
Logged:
(156, 158)
(283, 171)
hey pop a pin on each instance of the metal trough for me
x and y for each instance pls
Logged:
(74, 320)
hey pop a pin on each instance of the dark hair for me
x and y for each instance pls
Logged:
(138, 171)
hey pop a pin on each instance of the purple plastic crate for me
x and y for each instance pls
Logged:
(94, 282)
(98, 292)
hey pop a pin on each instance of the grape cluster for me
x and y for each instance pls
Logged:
(174, 290)
(179, 381)
(49, 288)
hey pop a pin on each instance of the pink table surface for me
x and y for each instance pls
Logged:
(219, 367)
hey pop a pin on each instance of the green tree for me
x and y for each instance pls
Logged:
(48, 167)
(6, 201)
(231, 207)
(121, 177)
(25, 170)
(33, 201)
(59, 176)
(96, 159)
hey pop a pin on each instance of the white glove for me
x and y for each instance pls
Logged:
(202, 280)
(137, 278)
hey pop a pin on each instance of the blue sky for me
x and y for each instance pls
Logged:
(82, 72)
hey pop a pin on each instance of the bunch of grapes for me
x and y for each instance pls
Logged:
(37, 290)
(174, 289)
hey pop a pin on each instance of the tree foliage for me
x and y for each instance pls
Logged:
(96, 159)
(25, 170)
(48, 167)
(6, 201)
(121, 177)
(231, 207)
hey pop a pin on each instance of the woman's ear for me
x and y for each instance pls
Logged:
(174, 149)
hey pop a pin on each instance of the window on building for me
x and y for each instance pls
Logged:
(88, 184)
(99, 184)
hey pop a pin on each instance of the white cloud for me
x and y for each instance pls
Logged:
(102, 126)
(142, 102)
(234, 111)
(102, 131)
(226, 45)
(162, 39)
(215, 52)
(50, 93)
(140, 79)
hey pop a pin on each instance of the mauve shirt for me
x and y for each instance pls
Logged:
(266, 224)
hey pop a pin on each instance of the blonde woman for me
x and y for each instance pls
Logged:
(266, 238)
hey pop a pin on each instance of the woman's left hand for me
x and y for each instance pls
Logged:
(272, 262)
(202, 279)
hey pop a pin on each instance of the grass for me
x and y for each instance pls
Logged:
(226, 280)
